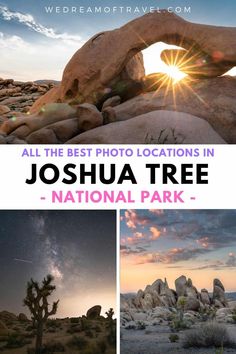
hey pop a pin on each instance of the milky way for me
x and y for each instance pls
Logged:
(77, 247)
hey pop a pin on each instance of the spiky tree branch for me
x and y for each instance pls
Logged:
(37, 301)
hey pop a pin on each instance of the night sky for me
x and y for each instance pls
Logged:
(200, 244)
(77, 247)
(37, 45)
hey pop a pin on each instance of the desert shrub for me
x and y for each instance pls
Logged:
(52, 324)
(74, 320)
(207, 314)
(16, 328)
(220, 351)
(89, 333)
(29, 328)
(97, 329)
(53, 347)
(210, 335)
(173, 338)
(70, 330)
(49, 348)
(51, 330)
(130, 326)
(101, 346)
(111, 338)
(16, 341)
(234, 315)
(95, 348)
(74, 329)
(3, 339)
(29, 335)
(85, 324)
(177, 324)
(77, 342)
(141, 325)
(212, 313)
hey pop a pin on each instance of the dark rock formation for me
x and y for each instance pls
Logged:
(94, 312)
(22, 317)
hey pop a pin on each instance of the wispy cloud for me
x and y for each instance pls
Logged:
(230, 262)
(127, 251)
(171, 256)
(30, 22)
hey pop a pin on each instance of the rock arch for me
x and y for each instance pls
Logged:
(102, 60)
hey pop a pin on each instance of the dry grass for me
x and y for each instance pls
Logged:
(209, 335)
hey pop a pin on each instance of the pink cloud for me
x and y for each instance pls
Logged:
(135, 239)
(133, 219)
(204, 242)
(155, 233)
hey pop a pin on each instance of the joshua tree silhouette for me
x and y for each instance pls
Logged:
(37, 301)
(110, 314)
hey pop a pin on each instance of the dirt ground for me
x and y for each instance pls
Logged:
(155, 340)
(63, 331)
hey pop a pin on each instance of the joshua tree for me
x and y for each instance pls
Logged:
(37, 301)
(181, 305)
(110, 314)
(111, 327)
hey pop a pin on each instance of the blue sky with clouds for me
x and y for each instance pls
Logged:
(35, 44)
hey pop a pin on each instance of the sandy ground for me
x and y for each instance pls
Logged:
(155, 340)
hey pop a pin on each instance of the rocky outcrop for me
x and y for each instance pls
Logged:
(17, 97)
(95, 68)
(6, 316)
(94, 312)
(157, 127)
(61, 123)
(192, 304)
(107, 76)
(212, 100)
(157, 302)
(219, 298)
(22, 317)
(181, 285)
(56, 123)
(4, 331)
(225, 315)
(204, 297)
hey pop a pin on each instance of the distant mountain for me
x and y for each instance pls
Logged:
(128, 295)
(40, 82)
(231, 296)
